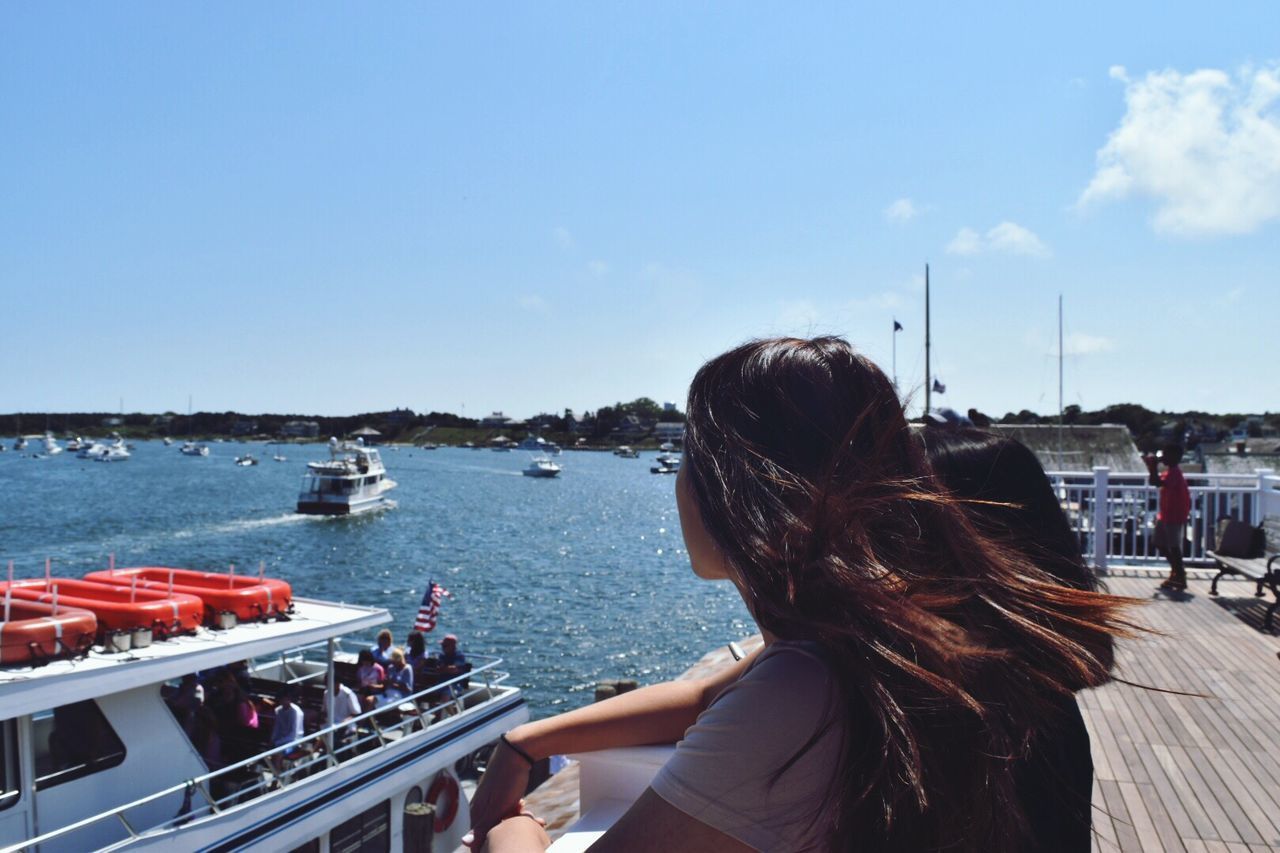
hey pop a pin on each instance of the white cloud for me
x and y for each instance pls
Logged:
(1080, 343)
(563, 237)
(1008, 238)
(797, 317)
(598, 268)
(966, 242)
(1204, 145)
(902, 210)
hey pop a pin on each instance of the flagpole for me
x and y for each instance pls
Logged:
(928, 382)
(895, 353)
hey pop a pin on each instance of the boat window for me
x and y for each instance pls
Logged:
(312, 846)
(367, 832)
(73, 741)
(9, 783)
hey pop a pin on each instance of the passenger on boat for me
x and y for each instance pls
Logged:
(370, 678)
(415, 654)
(288, 723)
(381, 649)
(908, 658)
(185, 701)
(399, 679)
(345, 706)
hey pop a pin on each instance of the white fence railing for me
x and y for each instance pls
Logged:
(1114, 514)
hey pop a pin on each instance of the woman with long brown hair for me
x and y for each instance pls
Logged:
(909, 657)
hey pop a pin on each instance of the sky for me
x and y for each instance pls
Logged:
(331, 209)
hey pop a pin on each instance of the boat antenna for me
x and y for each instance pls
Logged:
(928, 384)
(262, 570)
(111, 562)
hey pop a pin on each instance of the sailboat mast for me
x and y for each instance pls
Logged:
(928, 381)
(1060, 355)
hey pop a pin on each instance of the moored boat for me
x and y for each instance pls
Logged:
(542, 466)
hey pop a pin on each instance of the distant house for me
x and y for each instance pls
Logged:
(300, 429)
(631, 428)
(497, 420)
(669, 407)
(113, 421)
(669, 431)
(1239, 457)
(577, 424)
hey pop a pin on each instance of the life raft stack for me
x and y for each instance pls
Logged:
(33, 632)
(140, 613)
(228, 598)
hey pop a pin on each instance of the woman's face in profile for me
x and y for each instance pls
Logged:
(705, 558)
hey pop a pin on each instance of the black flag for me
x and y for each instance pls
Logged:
(897, 327)
(939, 388)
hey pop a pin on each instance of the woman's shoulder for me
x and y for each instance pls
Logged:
(790, 662)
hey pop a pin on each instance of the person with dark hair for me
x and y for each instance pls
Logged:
(1174, 511)
(909, 657)
(1008, 496)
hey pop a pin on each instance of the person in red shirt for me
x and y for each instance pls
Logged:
(1175, 509)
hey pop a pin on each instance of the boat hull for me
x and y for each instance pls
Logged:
(343, 508)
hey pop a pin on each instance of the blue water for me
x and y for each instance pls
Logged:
(571, 580)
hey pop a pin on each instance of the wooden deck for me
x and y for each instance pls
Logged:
(1182, 773)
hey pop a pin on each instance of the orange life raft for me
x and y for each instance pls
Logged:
(117, 608)
(33, 633)
(248, 597)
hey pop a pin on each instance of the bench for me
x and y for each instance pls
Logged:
(1262, 568)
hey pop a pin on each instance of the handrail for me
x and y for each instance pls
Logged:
(199, 782)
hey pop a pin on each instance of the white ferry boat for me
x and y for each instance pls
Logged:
(351, 481)
(99, 754)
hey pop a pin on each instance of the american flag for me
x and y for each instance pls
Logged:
(430, 607)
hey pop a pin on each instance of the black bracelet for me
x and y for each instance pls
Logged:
(517, 750)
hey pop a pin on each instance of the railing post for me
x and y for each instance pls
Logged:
(1101, 525)
(1261, 507)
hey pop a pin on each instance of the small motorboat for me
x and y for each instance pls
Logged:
(74, 444)
(33, 632)
(190, 448)
(246, 460)
(51, 446)
(665, 463)
(21, 443)
(117, 608)
(91, 450)
(542, 466)
(168, 442)
(627, 452)
(250, 598)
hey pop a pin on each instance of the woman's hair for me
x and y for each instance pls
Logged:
(384, 634)
(417, 643)
(1008, 495)
(948, 650)
(364, 656)
(397, 656)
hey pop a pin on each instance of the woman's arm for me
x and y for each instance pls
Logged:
(651, 824)
(659, 713)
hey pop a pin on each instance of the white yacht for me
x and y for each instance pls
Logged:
(168, 442)
(116, 452)
(626, 451)
(191, 448)
(20, 443)
(103, 752)
(542, 466)
(665, 463)
(351, 481)
(247, 460)
(91, 450)
(74, 444)
(51, 446)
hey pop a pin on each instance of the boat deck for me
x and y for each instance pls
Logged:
(24, 688)
(1199, 774)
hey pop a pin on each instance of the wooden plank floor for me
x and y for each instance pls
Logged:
(1187, 773)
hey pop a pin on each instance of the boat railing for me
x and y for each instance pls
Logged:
(1114, 514)
(323, 750)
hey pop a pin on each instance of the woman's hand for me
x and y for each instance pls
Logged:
(521, 833)
(498, 796)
